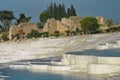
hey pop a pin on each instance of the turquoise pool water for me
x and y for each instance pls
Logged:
(27, 75)
(101, 53)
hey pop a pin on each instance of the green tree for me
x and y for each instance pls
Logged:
(63, 11)
(5, 36)
(6, 17)
(89, 25)
(71, 11)
(50, 9)
(44, 16)
(55, 8)
(59, 11)
(68, 13)
(22, 18)
(39, 24)
(109, 22)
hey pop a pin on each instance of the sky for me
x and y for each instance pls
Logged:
(106, 8)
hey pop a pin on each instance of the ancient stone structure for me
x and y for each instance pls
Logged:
(100, 20)
(53, 25)
(62, 26)
(23, 27)
(76, 21)
(103, 25)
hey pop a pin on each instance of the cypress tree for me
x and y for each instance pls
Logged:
(71, 11)
(68, 13)
(51, 10)
(63, 11)
(59, 11)
(55, 11)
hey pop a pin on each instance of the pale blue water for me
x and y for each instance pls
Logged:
(27, 75)
(102, 53)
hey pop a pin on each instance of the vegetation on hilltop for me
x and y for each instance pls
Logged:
(109, 22)
(22, 18)
(89, 25)
(59, 11)
(44, 16)
(56, 11)
(6, 17)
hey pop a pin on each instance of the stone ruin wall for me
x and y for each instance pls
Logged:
(25, 27)
(62, 26)
(100, 20)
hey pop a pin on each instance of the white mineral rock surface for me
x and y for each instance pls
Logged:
(94, 61)
(46, 47)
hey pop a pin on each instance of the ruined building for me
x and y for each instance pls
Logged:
(62, 26)
(23, 28)
(100, 20)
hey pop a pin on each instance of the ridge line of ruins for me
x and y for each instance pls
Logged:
(72, 24)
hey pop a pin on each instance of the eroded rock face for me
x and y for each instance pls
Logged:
(62, 26)
(23, 27)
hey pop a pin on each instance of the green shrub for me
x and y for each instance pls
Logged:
(113, 29)
(5, 37)
(34, 34)
(89, 25)
(17, 36)
(56, 33)
(74, 33)
(21, 32)
(45, 34)
(68, 33)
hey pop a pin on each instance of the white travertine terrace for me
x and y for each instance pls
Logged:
(90, 61)
(109, 45)
(94, 61)
(46, 47)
